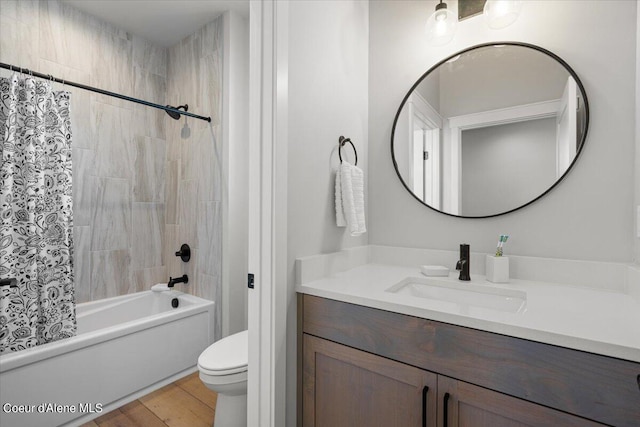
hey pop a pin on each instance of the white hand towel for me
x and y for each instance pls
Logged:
(340, 220)
(351, 181)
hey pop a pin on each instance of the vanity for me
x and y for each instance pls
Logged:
(372, 353)
(484, 132)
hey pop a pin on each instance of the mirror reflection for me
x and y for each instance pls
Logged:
(489, 130)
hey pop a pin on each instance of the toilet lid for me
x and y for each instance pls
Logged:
(229, 355)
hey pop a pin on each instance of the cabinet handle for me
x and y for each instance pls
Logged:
(445, 410)
(425, 390)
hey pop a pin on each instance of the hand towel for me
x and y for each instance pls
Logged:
(350, 195)
(340, 220)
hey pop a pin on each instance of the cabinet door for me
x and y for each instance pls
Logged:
(463, 405)
(346, 387)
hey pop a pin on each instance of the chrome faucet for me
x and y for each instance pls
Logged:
(172, 281)
(464, 262)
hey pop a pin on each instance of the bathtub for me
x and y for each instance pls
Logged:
(126, 347)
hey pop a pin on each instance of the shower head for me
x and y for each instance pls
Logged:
(173, 114)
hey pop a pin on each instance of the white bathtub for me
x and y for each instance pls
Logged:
(126, 347)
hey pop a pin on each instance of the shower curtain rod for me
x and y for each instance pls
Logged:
(101, 91)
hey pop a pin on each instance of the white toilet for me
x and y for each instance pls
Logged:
(223, 369)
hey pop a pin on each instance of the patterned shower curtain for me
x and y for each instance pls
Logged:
(36, 219)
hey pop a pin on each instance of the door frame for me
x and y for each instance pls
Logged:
(268, 124)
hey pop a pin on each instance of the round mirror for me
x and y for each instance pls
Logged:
(490, 129)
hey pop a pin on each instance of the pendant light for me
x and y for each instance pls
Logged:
(441, 25)
(501, 13)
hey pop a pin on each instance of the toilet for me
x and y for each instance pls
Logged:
(223, 369)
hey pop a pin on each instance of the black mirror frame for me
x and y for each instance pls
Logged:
(527, 45)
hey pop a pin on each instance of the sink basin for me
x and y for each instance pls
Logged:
(465, 295)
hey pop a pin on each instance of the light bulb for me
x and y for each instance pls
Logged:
(441, 26)
(501, 13)
(440, 15)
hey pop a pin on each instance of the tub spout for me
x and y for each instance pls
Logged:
(173, 281)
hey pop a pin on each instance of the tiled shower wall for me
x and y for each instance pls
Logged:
(118, 146)
(193, 212)
(138, 187)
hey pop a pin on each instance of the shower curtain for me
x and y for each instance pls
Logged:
(36, 218)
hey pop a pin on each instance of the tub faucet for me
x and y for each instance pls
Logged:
(464, 263)
(172, 281)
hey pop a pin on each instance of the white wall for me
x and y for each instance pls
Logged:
(588, 215)
(637, 174)
(328, 97)
(235, 217)
(499, 78)
(429, 89)
(506, 166)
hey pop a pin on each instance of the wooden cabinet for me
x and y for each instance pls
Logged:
(465, 405)
(345, 387)
(360, 366)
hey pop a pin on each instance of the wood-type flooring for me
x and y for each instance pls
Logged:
(184, 403)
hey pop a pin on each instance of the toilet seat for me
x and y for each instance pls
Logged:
(228, 356)
(236, 382)
(221, 373)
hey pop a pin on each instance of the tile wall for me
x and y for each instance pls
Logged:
(139, 189)
(194, 181)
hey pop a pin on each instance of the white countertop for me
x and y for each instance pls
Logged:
(593, 320)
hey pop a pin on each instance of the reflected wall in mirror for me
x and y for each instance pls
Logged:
(490, 129)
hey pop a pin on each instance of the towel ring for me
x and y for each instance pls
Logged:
(341, 142)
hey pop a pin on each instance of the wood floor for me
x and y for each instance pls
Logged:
(184, 403)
